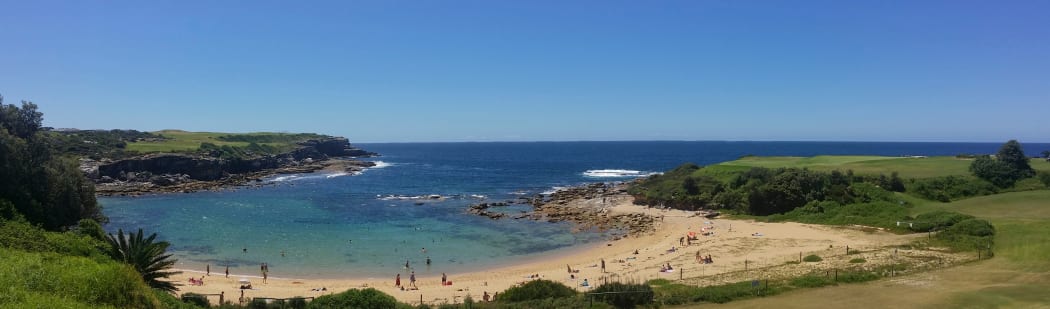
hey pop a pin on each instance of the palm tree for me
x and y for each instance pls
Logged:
(148, 257)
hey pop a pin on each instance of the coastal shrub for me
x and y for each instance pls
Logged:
(878, 214)
(23, 236)
(354, 298)
(78, 279)
(812, 258)
(937, 220)
(297, 303)
(196, 299)
(968, 234)
(536, 289)
(857, 260)
(624, 295)
(1044, 177)
(257, 303)
(733, 291)
(855, 276)
(810, 281)
(169, 301)
(948, 188)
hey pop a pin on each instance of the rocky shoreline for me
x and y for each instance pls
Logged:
(587, 207)
(189, 172)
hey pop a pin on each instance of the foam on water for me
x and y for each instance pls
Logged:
(381, 164)
(615, 173)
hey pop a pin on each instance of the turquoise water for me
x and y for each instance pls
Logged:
(368, 225)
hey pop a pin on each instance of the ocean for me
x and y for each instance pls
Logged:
(369, 225)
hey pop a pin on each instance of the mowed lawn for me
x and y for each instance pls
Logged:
(181, 141)
(1018, 276)
(906, 167)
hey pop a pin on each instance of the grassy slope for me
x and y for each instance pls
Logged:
(1019, 276)
(872, 165)
(190, 141)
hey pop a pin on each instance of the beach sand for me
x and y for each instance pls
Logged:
(732, 242)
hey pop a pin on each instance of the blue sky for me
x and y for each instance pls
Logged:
(398, 71)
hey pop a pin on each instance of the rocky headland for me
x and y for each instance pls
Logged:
(190, 172)
(587, 207)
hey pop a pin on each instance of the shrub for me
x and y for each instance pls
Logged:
(297, 303)
(367, 298)
(857, 260)
(1044, 177)
(536, 289)
(196, 299)
(257, 304)
(76, 279)
(948, 188)
(937, 220)
(812, 258)
(810, 281)
(728, 292)
(624, 295)
(968, 235)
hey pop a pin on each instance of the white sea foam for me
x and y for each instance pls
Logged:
(381, 164)
(478, 196)
(285, 178)
(410, 197)
(334, 175)
(616, 173)
(553, 190)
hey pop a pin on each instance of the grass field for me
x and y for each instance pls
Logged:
(181, 141)
(868, 165)
(1018, 277)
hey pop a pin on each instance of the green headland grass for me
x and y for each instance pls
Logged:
(183, 141)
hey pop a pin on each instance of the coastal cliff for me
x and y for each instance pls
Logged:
(188, 172)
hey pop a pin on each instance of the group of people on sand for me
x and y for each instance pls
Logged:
(195, 281)
(666, 268)
(700, 258)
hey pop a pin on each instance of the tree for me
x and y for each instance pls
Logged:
(44, 189)
(997, 172)
(146, 255)
(1012, 154)
(1046, 154)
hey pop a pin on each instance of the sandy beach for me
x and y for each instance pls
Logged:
(729, 243)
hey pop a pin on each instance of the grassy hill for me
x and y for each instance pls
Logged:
(1018, 276)
(907, 167)
(183, 141)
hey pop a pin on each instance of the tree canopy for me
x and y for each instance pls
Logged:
(1009, 166)
(41, 188)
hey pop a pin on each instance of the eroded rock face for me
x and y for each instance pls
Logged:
(166, 172)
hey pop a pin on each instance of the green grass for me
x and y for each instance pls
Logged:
(1018, 276)
(182, 141)
(866, 165)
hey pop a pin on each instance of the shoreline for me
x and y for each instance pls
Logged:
(731, 243)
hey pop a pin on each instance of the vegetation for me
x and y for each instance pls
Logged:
(949, 188)
(624, 295)
(97, 144)
(146, 255)
(354, 298)
(224, 145)
(812, 258)
(35, 185)
(536, 290)
(1009, 166)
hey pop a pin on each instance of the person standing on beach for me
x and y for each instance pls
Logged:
(397, 280)
(444, 279)
(603, 265)
(406, 264)
(207, 269)
(227, 271)
(412, 279)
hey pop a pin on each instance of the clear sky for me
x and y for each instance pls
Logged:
(397, 71)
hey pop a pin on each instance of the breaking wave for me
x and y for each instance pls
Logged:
(616, 173)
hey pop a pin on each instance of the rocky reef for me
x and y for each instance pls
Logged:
(587, 207)
(188, 172)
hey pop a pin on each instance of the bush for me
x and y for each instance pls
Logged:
(535, 290)
(810, 281)
(196, 299)
(937, 220)
(857, 260)
(367, 298)
(625, 295)
(728, 292)
(257, 304)
(76, 279)
(812, 258)
(1044, 177)
(297, 303)
(968, 235)
(948, 188)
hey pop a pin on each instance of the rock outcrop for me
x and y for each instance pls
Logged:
(179, 172)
